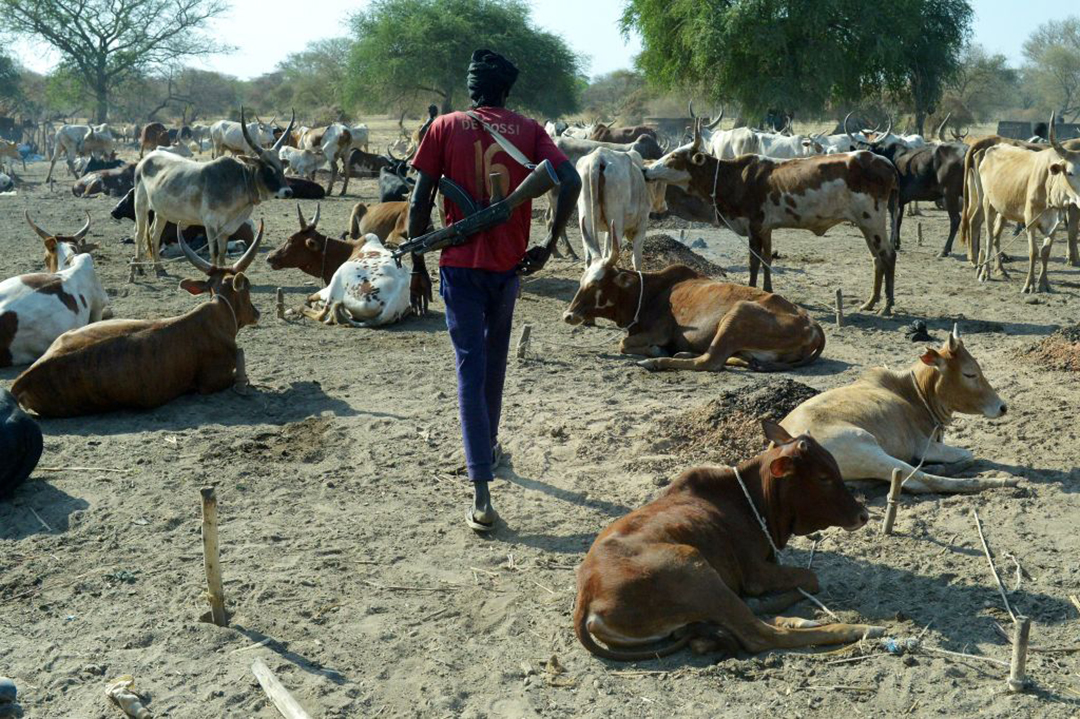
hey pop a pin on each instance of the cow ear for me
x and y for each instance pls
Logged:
(774, 432)
(195, 287)
(698, 158)
(932, 358)
(312, 245)
(1057, 168)
(781, 467)
(624, 280)
(50, 245)
(240, 282)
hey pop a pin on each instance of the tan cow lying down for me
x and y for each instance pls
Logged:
(886, 418)
(676, 570)
(705, 323)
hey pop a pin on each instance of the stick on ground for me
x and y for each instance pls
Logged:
(839, 307)
(211, 558)
(1017, 670)
(289, 707)
(893, 498)
(990, 560)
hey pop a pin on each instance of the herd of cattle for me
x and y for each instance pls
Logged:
(751, 182)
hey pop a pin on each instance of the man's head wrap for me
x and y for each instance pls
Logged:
(490, 77)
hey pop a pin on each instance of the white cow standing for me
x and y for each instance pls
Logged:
(228, 135)
(78, 141)
(614, 202)
(369, 290)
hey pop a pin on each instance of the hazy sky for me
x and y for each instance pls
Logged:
(263, 37)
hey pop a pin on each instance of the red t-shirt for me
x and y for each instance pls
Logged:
(461, 149)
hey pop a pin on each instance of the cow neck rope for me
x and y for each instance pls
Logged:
(716, 210)
(768, 535)
(939, 424)
(640, 299)
(228, 304)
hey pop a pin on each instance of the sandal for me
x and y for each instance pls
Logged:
(478, 526)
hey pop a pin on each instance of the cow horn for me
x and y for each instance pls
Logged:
(78, 236)
(691, 107)
(41, 233)
(391, 154)
(716, 123)
(242, 264)
(300, 216)
(956, 330)
(697, 136)
(247, 135)
(315, 219)
(285, 135)
(846, 130)
(1069, 155)
(411, 152)
(189, 253)
(885, 134)
(941, 128)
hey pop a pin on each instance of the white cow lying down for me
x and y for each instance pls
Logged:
(369, 290)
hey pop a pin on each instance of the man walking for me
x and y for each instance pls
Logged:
(479, 279)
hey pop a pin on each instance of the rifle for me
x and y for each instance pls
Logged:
(478, 219)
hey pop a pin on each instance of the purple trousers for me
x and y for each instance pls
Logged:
(479, 312)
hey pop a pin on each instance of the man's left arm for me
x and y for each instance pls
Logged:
(569, 188)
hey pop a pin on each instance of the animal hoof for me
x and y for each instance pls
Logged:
(875, 632)
(649, 364)
(160, 271)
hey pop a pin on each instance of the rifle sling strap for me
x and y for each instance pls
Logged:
(505, 144)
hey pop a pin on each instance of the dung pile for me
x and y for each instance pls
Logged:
(1059, 351)
(659, 251)
(727, 429)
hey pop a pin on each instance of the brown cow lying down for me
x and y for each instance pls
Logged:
(115, 182)
(677, 569)
(705, 323)
(887, 418)
(388, 220)
(142, 364)
(312, 252)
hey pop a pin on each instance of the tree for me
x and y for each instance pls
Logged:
(984, 84)
(407, 51)
(621, 92)
(105, 42)
(1053, 52)
(10, 84)
(797, 56)
(316, 76)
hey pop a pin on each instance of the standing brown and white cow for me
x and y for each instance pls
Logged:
(755, 195)
(153, 136)
(334, 142)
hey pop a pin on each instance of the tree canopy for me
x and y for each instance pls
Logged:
(1053, 52)
(10, 84)
(104, 43)
(798, 56)
(410, 51)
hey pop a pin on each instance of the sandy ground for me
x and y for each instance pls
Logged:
(347, 564)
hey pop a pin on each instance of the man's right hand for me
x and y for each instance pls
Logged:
(420, 291)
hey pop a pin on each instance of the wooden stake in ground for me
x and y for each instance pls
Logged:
(289, 707)
(839, 307)
(280, 296)
(1021, 634)
(523, 341)
(918, 230)
(894, 497)
(211, 559)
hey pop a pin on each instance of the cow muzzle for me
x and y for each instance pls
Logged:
(284, 193)
(572, 318)
(995, 408)
(864, 517)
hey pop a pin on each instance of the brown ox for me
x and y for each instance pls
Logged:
(755, 195)
(705, 323)
(142, 364)
(677, 569)
(153, 136)
(609, 133)
(312, 252)
(388, 220)
(114, 182)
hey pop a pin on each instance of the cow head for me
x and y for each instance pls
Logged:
(60, 250)
(677, 167)
(958, 384)
(303, 249)
(269, 174)
(605, 292)
(1068, 167)
(228, 283)
(803, 488)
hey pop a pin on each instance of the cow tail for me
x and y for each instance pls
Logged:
(358, 212)
(581, 628)
(894, 215)
(969, 199)
(598, 207)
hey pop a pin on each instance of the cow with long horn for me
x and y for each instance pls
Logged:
(219, 195)
(61, 250)
(142, 364)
